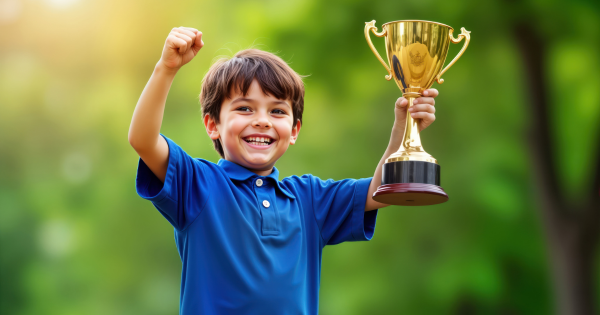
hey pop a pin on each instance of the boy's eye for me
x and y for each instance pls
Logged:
(243, 109)
(279, 111)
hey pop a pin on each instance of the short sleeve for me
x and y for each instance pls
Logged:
(339, 208)
(182, 196)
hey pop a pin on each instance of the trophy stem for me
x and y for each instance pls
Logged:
(412, 139)
(411, 148)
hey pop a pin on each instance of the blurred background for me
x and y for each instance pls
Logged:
(516, 136)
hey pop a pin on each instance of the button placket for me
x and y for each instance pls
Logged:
(266, 198)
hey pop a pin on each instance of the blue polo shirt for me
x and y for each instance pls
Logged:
(252, 244)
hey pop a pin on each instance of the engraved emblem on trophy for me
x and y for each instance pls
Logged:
(416, 51)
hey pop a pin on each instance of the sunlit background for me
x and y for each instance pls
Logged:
(76, 239)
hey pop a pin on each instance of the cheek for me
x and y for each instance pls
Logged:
(234, 128)
(284, 129)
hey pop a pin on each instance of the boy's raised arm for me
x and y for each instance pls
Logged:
(181, 46)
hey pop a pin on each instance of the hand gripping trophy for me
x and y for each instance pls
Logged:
(416, 51)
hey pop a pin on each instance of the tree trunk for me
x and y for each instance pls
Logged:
(571, 231)
(572, 251)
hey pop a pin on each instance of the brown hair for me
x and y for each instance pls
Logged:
(227, 75)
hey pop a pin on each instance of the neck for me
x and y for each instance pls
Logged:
(261, 172)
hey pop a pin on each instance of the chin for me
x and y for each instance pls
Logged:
(259, 164)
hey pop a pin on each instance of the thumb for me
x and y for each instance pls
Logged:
(198, 43)
(401, 103)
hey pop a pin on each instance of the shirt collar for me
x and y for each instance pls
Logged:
(238, 172)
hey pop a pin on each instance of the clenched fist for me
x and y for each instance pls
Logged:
(181, 46)
(423, 109)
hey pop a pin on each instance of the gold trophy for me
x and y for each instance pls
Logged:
(416, 50)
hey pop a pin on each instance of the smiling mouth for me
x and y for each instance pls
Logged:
(264, 141)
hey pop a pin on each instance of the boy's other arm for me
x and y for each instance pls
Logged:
(181, 46)
(424, 110)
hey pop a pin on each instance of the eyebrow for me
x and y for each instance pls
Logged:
(250, 100)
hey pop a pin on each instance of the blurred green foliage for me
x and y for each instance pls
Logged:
(76, 239)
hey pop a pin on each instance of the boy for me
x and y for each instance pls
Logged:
(249, 243)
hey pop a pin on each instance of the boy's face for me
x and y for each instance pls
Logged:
(255, 130)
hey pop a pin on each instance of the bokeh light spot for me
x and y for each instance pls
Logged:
(77, 167)
(10, 11)
(56, 238)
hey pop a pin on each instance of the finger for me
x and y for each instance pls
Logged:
(401, 102)
(187, 32)
(431, 92)
(424, 100)
(177, 43)
(193, 30)
(428, 118)
(188, 36)
(187, 39)
(422, 108)
(198, 43)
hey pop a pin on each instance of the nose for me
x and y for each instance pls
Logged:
(262, 121)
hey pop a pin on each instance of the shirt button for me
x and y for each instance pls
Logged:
(259, 182)
(266, 203)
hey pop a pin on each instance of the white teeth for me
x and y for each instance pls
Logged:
(262, 140)
(259, 143)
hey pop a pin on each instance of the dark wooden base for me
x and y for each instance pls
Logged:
(410, 194)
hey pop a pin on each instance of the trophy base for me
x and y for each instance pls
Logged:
(410, 194)
(410, 183)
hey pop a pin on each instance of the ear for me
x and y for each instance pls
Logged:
(211, 127)
(295, 132)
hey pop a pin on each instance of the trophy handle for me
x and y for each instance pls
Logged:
(463, 34)
(370, 26)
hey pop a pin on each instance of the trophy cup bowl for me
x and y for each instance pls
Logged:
(416, 51)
